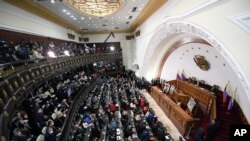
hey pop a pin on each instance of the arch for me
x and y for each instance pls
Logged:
(171, 29)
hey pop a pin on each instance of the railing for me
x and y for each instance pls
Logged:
(67, 127)
(15, 67)
(20, 80)
(213, 114)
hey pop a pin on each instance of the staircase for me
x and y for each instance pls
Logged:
(225, 119)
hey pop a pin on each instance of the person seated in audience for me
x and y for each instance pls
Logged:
(145, 109)
(128, 131)
(145, 134)
(112, 136)
(46, 109)
(36, 53)
(142, 102)
(50, 135)
(22, 51)
(87, 118)
(6, 54)
(19, 136)
(41, 118)
(112, 106)
(113, 125)
(95, 132)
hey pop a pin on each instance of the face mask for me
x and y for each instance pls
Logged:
(51, 132)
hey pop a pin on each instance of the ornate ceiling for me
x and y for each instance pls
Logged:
(92, 16)
(99, 8)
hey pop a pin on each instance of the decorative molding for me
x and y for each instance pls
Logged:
(242, 20)
(194, 10)
(179, 27)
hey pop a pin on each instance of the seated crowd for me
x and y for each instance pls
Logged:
(116, 111)
(10, 52)
(42, 115)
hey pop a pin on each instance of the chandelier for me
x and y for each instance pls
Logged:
(98, 8)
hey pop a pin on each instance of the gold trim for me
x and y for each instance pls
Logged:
(95, 7)
(151, 7)
(34, 8)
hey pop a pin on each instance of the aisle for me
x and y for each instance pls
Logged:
(172, 130)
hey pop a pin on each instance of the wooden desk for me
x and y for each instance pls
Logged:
(182, 120)
(179, 95)
(207, 101)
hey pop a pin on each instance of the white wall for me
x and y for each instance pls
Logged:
(211, 16)
(16, 19)
(232, 36)
(182, 58)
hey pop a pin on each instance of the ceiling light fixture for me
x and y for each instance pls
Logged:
(97, 8)
(64, 10)
(52, 1)
(68, 13)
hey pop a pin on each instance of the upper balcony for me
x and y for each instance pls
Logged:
(20, 78)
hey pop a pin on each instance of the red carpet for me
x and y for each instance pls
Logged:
(224, 118)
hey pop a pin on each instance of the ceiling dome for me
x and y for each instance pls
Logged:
(97, 8)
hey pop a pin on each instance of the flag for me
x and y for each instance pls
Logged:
(225, 93)
(231, 102)
(178, 76)
(183, 75)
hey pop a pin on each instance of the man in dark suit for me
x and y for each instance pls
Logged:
(199, 136)
(50, 135)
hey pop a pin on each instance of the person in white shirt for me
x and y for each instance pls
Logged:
(36, 53)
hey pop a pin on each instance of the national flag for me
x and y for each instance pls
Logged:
(178, 76)
(183, 77)
(225, 93)
(231, 102)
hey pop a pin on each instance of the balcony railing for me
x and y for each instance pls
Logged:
(20, 78)
(67, 131)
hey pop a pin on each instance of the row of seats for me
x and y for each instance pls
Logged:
(45, 110)
(55, 98)
(116, 111)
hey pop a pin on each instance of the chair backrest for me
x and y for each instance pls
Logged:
(166, 87)
(202, 81)
(171, 90)
(40, 138)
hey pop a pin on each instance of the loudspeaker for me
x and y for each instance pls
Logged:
(128, 38)
(71, 36)
(85, 39)
(137, 33)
